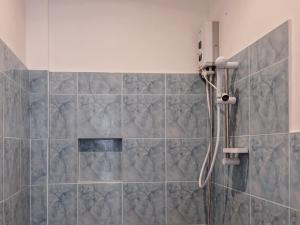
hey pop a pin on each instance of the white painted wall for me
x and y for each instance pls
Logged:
(244, 21)
(37, 35)
(116, 35)
(12, 25)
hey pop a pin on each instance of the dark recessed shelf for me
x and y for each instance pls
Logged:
(100, 144)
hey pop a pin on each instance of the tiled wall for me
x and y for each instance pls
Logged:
(264, 189)
(14, 140)
(162, 119)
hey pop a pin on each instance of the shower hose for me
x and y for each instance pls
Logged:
(203, 181)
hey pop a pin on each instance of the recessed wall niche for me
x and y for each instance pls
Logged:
(100, 159)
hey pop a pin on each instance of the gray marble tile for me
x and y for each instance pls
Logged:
(63, 160)
(25, 84)
(2, 61)
(13, 75)
(2, 65)
(63, 83)
(269, 94)
(8, 60)
(239, 112)
(144, 116)
(100, 145)
(38, 80)
(38, 166)
(218, 174)
(243, 69)
(294, 217)
(24, 125)
(185, 204)
(12, 109)
(23, 207)
(1, 213)
(185, 158)
(144, 204)
(63, 116)
(144, 84)
(270, 49)
(12, 211)
(269, 167)
(62, 204)
(100, 204)
(184, 84)
(1, 102)
(294, 170)
(100, 166)
(230, 207)
(217, 216)
(238, 177)
(11, 167)
(2, 46)
(99, 116)
(263, 212)
(143, 160)
(237, 208)
(25, 162)
(1, 169)
(39, 115)
(186, 116)
(16, 209)
(38, 205)
(99, 83)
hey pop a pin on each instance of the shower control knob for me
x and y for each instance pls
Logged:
(225, 97)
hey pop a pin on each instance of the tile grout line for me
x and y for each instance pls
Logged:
(165, 142)
(48, 149)
(77, 205)
(3, 134)
(29, 94)
(77, 150)
(249, 145)
(30, 193)
(122, 134)
(268, 67)
(19, 151)
(257, 197)
(289, 169)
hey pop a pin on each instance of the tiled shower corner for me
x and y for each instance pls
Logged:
(14, 140)
(263, 189)
(151, 179)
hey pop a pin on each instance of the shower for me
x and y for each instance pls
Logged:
(220, 69)
(214, 69)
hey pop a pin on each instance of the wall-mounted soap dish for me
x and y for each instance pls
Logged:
(235, 150)
(233, 160)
